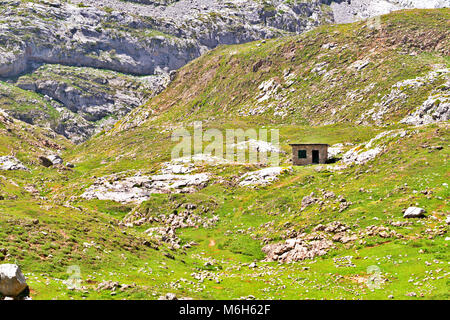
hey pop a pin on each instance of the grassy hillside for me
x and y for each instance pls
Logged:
(28, 142)
(312, 92)
(412, 254)
(316, 76)
(222, 89)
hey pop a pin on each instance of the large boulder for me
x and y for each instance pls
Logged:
(414, 212)
(12, 281)
(50, 160)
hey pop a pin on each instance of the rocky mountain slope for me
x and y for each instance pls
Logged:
(136, 38)
(326, 76)
(39, 36)
(117, 217)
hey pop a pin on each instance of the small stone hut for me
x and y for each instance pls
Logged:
(304, 154)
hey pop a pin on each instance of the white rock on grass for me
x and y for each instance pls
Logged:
(366, 152)
(360, 64)
(55, 159)
(11, 163)
(12, 281)
(50, 160)
(168, 296)
(361, 157)
(335, 150)
(257, 145)
(262, 177)
(267, 90)
(414, 212)
(169, 168)
(200, 157)
(139, 188)
(435, 109)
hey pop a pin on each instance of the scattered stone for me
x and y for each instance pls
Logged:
(113, 286)
(267, 90)
(320, 68)
(199, 158)
(435, 109)
(139, 188)
(203, 275)
(319, 227)
(329, 46)
(169, 223)
(108, 285)
(360, 64)
(336, 227)
(168, 296)
(263, 177)
(344, 237)
(296, 250)
(177, 168)
(400, 223)
(380, 231)
(344, 262)
(329, 195)
(309, 200)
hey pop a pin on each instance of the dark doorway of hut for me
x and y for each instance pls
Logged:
(315, 156)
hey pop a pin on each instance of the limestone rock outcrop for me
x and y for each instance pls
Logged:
(11, 163)
(12, 281)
